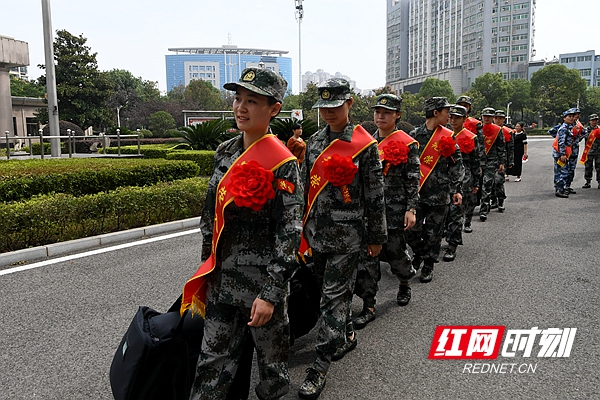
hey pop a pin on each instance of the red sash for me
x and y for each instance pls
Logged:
(507, 131)
(588, 144)
(361, 139)
(431, 155)
(270, 154)
(467, 134)
(568, 149)
(490, 131)
(471, 124)
(399, 136)
(578, 128)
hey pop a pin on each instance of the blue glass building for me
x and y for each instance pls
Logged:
(219, 65)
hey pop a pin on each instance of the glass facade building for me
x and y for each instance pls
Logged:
(219, 65)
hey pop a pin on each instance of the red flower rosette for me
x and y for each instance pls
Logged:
(466, 144)
(394, 152)
(251, 185)
(340, 171)
(507, 136)
(446, 146)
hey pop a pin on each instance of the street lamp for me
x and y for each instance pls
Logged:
(508, 112)
(119, 115)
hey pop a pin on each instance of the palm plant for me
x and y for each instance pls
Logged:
(207, 135)
(282, 128)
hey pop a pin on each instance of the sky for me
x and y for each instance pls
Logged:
(346, 36)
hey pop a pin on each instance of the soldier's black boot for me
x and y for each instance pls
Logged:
(403, 297)
(347, 347)
(366, 315)
(416, 262)
(427, 272)
(468, 228)
(450, 253)
(587, 185)
(561, 193)
(501, 205)
(313, 385)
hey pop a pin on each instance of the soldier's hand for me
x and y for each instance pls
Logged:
(475, 190)
(373, 249)
(409, 220)
(457, 199)
(501, 168)
(261, 312)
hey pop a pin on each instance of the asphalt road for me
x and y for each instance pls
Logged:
(533, 266)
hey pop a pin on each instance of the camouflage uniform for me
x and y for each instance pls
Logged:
(593, 161)
(435, 196)
(471, 200)
(578, 135)
(494, 157)
(456, 213)
(561, 174)
(336, 233)
(256, 258)
(401, 195)
(498, 192)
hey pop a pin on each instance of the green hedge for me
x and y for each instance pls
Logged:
(55, 218)
(204, 158)
(149, 151)
(25, 178)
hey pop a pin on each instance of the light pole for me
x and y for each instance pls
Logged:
(53, 124)
(299, 16)
(119, 115)
(508, 112)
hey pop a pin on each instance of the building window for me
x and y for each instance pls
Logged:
(584, 58)
(520, 58)
(567, 60)
(585, 72)
(503, 59)
(493, 60)
(519, 47)
(520, 16)
(503, 48)
(506, 18)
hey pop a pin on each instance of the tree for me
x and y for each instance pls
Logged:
(204, 96)
(23, 88)
(433, 87)
(282, 127)
(412, 109)
(493, 88)
(361, 109)
(159, 122)
(132, 95)
(556, 89)
(520, 97)
(590, 101)
(207, 135)
(82, 90)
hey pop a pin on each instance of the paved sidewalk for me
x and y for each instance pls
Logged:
(72, 246)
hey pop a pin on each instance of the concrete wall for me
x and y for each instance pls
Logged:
(13, 53)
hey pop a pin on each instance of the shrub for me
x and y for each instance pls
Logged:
(204, 159)
(26, 178)
(207, 135)
(55, 218)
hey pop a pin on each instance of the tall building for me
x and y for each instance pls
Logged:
(219, 65)
(586, 62)
(457, 40)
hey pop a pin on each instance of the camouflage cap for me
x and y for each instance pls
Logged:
(500, 113)
(488, 112)
(261, 81)
(333, 93)
(435, 103)
(570, 111)
(388, 101)
(576, 110)
(458, 110)
(464, 99)
(593, 116)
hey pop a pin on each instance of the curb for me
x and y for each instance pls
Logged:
(55, 249)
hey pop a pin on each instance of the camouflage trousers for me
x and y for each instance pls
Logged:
(489, 176)
(369, 270)
(571, 165)
(425, 238)
(470, 202)
(336, 274)
(454, 224)
(561, 175)
(225, 330)
(498, 192)
(592, 163)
